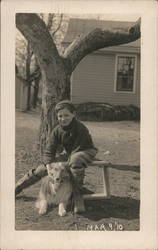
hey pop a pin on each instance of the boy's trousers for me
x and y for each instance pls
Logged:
(77, 162)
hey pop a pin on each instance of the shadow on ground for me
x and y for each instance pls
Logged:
(116, 207)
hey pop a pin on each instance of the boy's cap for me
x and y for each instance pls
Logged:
(65, 104)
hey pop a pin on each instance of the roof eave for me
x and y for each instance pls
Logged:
(120, 49)
(114, 49)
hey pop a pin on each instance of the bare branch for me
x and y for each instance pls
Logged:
(35, 75)
(50, 21)
(98, 39)
(61, 19)
(41, 16)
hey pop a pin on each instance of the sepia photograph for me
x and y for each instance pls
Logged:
(79, 128)
(77, 102)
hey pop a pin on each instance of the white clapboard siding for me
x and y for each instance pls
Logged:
(92, 77)
(93, 81)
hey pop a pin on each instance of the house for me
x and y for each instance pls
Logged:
(110, 75)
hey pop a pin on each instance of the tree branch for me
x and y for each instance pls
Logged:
(35, 75)
(50, 21)
(59, 25)
(35, 31)
(98, 39)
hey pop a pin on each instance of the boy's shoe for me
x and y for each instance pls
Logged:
(85, 190)
(25, 182)
(33, 176)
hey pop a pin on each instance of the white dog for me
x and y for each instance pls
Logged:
(56, 188)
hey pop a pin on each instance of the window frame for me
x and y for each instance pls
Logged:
(135, 73)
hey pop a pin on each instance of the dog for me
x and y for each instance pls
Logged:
(56, 188)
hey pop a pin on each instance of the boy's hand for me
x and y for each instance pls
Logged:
(48, 165)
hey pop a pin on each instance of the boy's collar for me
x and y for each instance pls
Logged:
(71, 124)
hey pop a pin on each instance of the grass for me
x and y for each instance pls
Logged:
(118, 143)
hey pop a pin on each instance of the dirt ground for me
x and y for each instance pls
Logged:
(118, 143)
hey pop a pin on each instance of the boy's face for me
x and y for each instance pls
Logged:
(65, 117)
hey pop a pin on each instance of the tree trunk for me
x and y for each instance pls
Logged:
(58, 90)
(28, 62)
(35, 93)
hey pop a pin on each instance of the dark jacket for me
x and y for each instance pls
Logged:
(74, 138)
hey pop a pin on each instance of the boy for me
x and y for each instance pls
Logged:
(79, 149)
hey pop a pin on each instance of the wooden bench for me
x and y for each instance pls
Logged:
(105, 176)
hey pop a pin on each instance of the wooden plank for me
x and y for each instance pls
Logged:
(106, 185)
(99, 163)
(97, 196)
(105, 177)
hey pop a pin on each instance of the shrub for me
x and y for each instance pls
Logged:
(106, 112)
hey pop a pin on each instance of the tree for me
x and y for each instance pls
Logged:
(56, 68)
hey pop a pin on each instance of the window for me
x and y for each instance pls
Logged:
(125, 73)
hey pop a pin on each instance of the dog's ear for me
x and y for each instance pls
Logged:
(49, 167)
